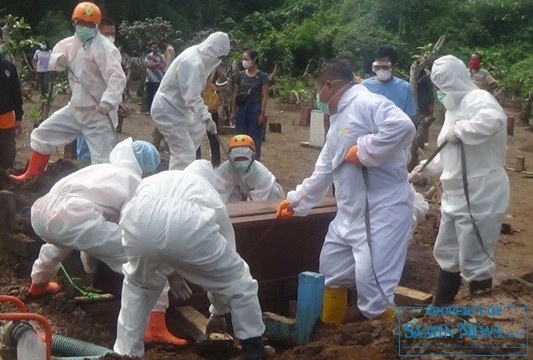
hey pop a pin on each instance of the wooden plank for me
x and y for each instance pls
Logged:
(251, 208)
(266, 219)
(279, 328)
(309, 304)
(192, 322)
(404, 296)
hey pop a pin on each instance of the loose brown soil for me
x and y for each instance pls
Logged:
(291, 163)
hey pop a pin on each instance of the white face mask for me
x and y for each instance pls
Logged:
(43, 47)
(111, 38)
(246, 64)
(383, 75)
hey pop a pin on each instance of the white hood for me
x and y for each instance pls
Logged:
(216, 45)
(451, 76)
(123, 156)
(203, 169)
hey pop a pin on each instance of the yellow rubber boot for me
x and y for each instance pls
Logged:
(157, 331)
(334, 306)
(389, 314)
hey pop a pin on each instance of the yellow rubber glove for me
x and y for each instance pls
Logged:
(351, 156)
(284, 210)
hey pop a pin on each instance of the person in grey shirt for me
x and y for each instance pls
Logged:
(155, 65)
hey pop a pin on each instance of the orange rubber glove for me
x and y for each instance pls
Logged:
(284, 210)
(351, 156)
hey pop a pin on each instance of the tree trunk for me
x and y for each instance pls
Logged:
(526, 108)
(421, 121)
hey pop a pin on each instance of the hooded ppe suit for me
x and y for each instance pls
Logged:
(382, 132)
(81, 212)
(260, 182)
(476, 118)
(177, 224)
(178, 109)
(96, 64)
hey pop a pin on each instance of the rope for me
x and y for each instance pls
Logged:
(369, 236)
(88, 294)
(474, 224)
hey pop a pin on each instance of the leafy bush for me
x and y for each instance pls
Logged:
(519, 78)
(136, 35)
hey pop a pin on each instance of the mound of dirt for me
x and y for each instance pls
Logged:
(364, 340)
(26, 193)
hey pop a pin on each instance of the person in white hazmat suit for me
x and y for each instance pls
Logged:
(364, 158)
(176, 227)
(259, 181)
(178, 109)
(476, 122)
(96, 79)
(81, 212)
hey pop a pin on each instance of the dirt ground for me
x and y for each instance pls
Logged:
(291, 163)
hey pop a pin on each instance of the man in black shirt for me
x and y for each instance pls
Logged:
(10, 109)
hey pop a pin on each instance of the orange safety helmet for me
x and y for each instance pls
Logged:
(241, 140)
(87, 11)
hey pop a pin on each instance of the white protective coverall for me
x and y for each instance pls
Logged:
(382, 132)
(81, 212)
(178, 109)
(480, 123)
(96, 63)
(178, 224)
(260, 181)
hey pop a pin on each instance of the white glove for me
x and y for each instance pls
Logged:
(417, 174)
(216, 324)
(104, 108)
(62, 62)
(211, 126)
(179, 287)
(451, 137)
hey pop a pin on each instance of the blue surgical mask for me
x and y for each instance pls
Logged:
(242, 165)
(85, 33)
(440, 95)
(322, 106)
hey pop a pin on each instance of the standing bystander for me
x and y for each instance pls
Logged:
(10, 109)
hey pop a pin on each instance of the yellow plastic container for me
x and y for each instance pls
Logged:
(334, 306)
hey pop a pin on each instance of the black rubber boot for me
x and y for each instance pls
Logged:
(253, 349)
(447, 287)
(480, 287)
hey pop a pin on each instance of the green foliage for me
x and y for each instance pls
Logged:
(136, 35)
(300, 34)
(294, 90)
(53, 27)
(519, 79)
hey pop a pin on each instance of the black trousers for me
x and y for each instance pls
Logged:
(7, 148)
(213, 144)
(151, 89)
(43, 79)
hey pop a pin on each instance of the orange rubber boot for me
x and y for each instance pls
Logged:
(37, 290)
(36, 167)
(157, 331)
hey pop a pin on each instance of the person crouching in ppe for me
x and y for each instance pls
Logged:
(475, 130)
(176, 228)
(96, 79)
(364, 158)
(259, 181)
(178, 109)
(81, 212)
